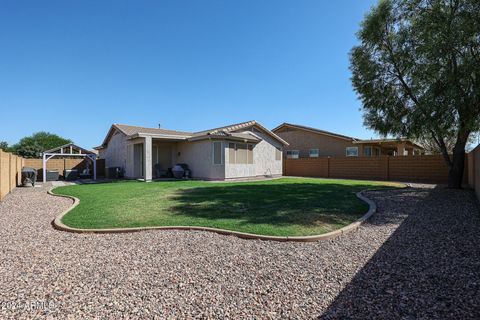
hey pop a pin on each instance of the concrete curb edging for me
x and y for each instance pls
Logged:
(59, 225)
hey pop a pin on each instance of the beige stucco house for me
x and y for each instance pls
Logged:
(307, 142)
(242, 150)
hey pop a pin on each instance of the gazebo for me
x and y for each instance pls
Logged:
(69, 150)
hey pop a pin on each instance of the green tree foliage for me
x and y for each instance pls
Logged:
(4, 146)
(417, 72)
(34, 145)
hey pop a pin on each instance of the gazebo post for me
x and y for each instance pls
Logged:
(94, 160)
(68, 150)
(44, 168)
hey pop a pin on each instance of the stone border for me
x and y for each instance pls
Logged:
(59, 225)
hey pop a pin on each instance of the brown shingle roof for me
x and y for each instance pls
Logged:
(226, 131)
(391, 140)
(315, 130)
(131, 130)
(229, 128)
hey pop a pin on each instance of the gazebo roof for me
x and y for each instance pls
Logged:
(71, 149)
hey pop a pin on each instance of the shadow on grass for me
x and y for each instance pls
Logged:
(306, 204)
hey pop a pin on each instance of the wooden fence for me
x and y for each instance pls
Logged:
(424, 168)
(473, 171)
(10, 172)
(11, 169)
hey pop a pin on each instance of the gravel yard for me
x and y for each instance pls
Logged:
(418, 257)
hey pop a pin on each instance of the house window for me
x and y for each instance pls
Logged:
(231, 153)
(217, 152)
(314, 153)
(367, 151)
(293, 154)
(278, 154)
(351, 151)
(250, 154)
(240, 153)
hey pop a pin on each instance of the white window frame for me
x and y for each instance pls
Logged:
(248, 149)
(221, 153)
(280, 152)
(234, 153)
(346, 151)
(315, 156)
(235, 144)
(297, 152)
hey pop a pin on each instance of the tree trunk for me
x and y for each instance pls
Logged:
(455, 174)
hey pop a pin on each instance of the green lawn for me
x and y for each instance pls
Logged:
(287, 206)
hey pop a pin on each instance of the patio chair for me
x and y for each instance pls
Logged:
(85, 174)
(159, 172)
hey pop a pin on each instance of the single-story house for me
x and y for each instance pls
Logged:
(305, 142)
(242, 150)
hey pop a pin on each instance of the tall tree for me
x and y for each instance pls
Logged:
(34, 145)
(417, 72)
(4, 146)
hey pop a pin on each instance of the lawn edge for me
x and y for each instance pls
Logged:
(372, 208)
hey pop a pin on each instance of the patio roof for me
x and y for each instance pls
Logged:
(390, 142)
(69, 150)
(70, 147)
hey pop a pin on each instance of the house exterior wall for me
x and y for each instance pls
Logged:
(305, 140)
(199, 157)
(119, 152)
(115, 153)
(130, 162)
(264, 162)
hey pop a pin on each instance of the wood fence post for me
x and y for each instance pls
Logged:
(388, 168)
(1, 177)
(473, 165)
(10, 187)
(328, 167)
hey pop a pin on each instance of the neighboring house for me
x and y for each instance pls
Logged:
(305, 142)
(241, 150)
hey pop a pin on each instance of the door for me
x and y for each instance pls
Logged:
(165, 157)
(155, 160)
(138, 160)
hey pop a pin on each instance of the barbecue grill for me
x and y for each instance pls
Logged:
(29, 176)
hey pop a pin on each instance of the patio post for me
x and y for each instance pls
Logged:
(147, 158)
(401, 149)
(44, 168)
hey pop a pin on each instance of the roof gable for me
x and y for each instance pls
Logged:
(238, 128)
(233, 131)
(69, 146)
(131, 130)
(314, 130)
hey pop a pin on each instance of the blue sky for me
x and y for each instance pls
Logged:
(76, 67)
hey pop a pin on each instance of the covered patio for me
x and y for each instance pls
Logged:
(388, 147)
(151, 156)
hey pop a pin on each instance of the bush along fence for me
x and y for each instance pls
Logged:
(420, 168)
(10, 172)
